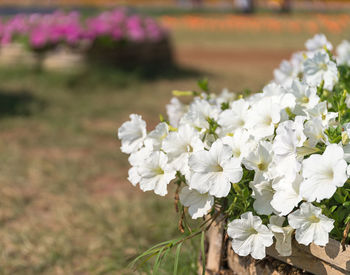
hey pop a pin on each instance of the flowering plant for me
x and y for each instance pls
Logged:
(42, 32)
(119, 25)
(126, 38)
(273, 164)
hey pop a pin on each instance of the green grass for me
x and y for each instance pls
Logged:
(66, 206)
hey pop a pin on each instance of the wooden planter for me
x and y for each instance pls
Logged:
(313, 259)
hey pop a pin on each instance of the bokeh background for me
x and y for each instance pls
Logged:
(66, 206)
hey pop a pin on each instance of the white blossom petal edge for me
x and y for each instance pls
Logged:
(310, 225)
(323, 174)
(214, 170)
(283, 235)
(249, 236)
(156, 173)
(132, 133)
(198, 204)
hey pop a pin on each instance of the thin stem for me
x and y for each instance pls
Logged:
(345, 235)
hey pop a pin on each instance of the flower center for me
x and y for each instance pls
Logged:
(268, 120)
(304, 99)
(314, 219)
(237, 153)
(241, 122)
(158, 171)
(330, 174)
(323, 66)
(217, 168)
(262, 166)
(252, 231)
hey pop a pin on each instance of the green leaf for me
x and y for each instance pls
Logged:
(338, 197)
(339, 215)
(177, 256)
(246, 193)
(151, 252)
(158, 260)
(203, 84)
(165, 255)
(225, 106)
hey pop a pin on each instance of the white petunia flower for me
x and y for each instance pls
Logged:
(199, 113)
(249, 236)
(323, 174)
(263, 194)
(132, 134)
(264, 116)
(137, 159)
(346, 128)
(321, 111)
(175, 110)
(298, 126)
(283, 235)
(297, 60)
(214, 170)
(287, 194)
(134, 176)
(343, 53)
(306, 97)
(260, 159)
(157, 136)
(241, 143)
(285, 74)
(310, 225)
(254, 98)
(225, 97)
(180, 145)
(348, 171)
(279, 96)
(314, 131)
(285, 149)
(156, 173)
(345, 141)
(318, 42)
(320, 68)
(198, 204)
(235, 117)
(346, 149)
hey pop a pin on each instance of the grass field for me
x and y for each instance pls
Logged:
(66, 206)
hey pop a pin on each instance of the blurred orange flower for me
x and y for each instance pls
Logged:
(335, 23)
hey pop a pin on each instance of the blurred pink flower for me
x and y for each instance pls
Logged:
(68, 28)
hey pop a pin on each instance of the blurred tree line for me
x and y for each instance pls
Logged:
(245, 6)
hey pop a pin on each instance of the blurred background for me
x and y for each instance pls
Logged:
(71, 72)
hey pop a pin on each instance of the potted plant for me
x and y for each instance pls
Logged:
(268, 171)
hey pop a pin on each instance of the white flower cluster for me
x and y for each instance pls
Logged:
(277, 135)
